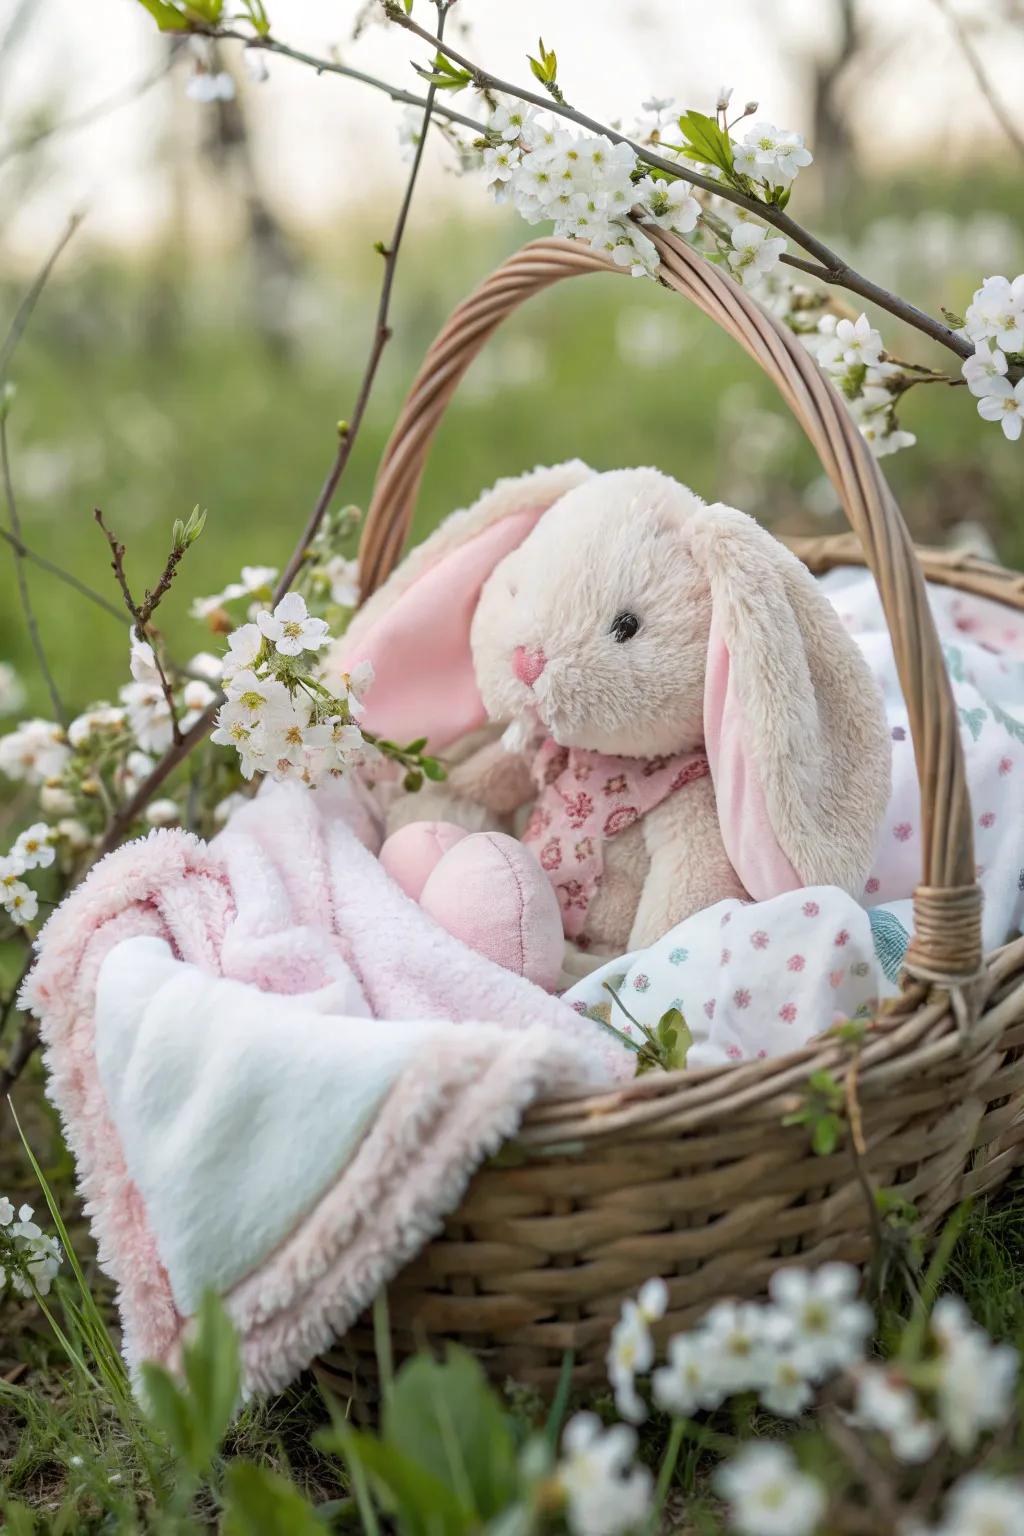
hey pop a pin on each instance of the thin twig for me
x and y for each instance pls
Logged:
(133, 808)
(977, 68)
(61, 574)
(828, 265)
(331, 67)
(381, 337)
(24, 311)
(60, 713)
(142, 612)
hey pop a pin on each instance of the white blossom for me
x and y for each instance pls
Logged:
(343, 576)
(631, 1349)
(822, 1324)
(35, 751)
(987, 364)
(290, 628)
(605, 1494)
(689, 1381)
(737, 1336)
(511, 119)
(754, 252)
(997, 312)
(205, 86)
(771, 154)
(668, 204)
(723, 98)
(75, 833)
(6, 1211)
(34, 846)
(206, 666)
(1004, 402)
(55, 799)
(244, 645)
(22, 903)
(981, 1504)
(162, 813)
(768, 1495)
(256, 67)
(885, 1402)
(978, 1378)
(11, 870)
(100, 719)
(12, 690)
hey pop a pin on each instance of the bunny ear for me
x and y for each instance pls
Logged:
(415, 629)
(794, 724)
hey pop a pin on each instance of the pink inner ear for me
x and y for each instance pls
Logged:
(747, 831)
(424, 684)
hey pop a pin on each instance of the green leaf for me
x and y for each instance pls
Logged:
(434, 770)
(825, 1135)
(260, 1502)
(706, 141)
(951, 318)
(195, 1416)
(421, 1502)
(166, 16)
(212, 1367)
(448, 1419)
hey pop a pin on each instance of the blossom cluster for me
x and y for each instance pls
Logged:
(29, 1259)
(33, 850)
(813, 1328)
(283, 714)
(851, 353)
(584, 183)
(995, 324)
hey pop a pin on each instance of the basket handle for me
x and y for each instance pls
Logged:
(946, 947)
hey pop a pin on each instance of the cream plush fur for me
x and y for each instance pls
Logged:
(637, 541)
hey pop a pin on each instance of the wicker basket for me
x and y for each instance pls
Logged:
(693, 1175)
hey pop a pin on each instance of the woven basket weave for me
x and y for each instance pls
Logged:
(693, 1176)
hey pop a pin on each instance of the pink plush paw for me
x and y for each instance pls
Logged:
(490, 892)
(412, 853)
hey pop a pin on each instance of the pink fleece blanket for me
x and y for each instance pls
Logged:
(277, 1073)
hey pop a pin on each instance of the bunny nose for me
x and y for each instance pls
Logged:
(528, 665)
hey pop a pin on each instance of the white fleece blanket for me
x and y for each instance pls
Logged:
(756, 979)
(278, 1074)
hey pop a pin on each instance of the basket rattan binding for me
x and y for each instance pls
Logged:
(693, 1176)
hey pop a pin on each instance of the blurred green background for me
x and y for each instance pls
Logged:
(149, 383)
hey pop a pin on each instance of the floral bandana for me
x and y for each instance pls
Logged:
(586, 798)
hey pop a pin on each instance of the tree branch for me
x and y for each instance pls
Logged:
(331, 67)
(977, 68)
(52, 569)
(832, 268)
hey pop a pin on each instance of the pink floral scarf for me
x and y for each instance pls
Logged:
(585, 798)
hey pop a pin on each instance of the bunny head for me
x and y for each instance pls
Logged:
(598, 623)
(629, 618)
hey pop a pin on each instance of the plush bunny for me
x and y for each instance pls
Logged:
(689, 719)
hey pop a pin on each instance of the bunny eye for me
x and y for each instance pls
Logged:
(624, 626)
